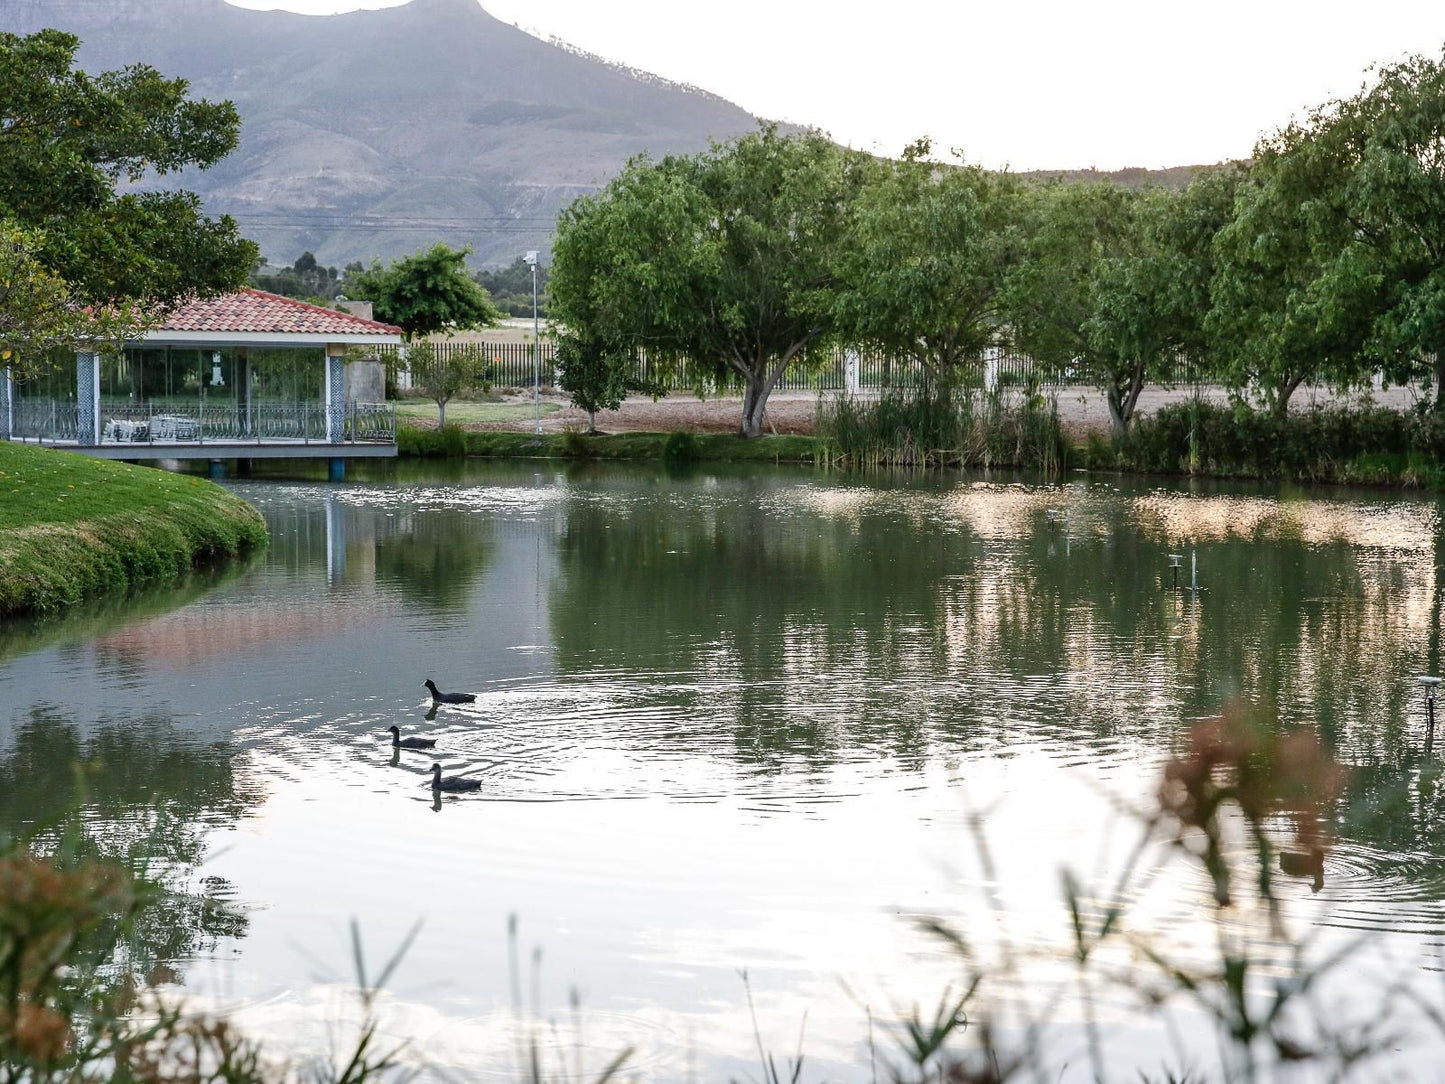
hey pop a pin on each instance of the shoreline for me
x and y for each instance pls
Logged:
(74, 528)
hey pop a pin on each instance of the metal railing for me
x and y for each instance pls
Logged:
(44, 420)
(123, 423)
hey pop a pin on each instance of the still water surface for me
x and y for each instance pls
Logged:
(725, 722)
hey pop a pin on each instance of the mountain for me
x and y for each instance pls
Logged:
(375, 133)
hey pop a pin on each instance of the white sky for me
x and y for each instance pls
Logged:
(1025, 83)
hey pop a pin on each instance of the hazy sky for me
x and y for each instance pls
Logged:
(1031, 84)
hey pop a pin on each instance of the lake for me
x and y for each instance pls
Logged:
(741, 735)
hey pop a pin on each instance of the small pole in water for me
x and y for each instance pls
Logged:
(1194, 571)
(1053, 518)
(1431, 685)
(1176, 561)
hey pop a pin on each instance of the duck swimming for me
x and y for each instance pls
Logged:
(452, 782)
(398, 742)
(439, 697)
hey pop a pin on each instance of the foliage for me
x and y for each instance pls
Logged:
(727, 258)
(599, 377)
(305, 279)
(710, 447)
(1102, 290)
(67, 139)
(943, 425)
(425, 293)
(441, 374)
(932, 248)
(510, 288)
(72, 527)
(1370, 445)
(1336, 250)
(40, 312)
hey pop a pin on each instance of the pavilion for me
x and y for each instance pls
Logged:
(245, 375)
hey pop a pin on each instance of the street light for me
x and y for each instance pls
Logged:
(531, 258)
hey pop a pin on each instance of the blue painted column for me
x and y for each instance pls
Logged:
(7, 404)
(87, 400)
(335, 395)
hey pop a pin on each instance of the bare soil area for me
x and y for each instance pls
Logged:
(1082, 410)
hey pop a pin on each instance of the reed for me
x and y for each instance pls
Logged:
(944, 425)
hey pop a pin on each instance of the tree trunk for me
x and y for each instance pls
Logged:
(1285, 391)
(1440, 380)
(755, 406)
(441, 413)
(592, 423)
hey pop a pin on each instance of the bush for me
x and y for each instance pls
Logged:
(681, 447)
(1373, 445)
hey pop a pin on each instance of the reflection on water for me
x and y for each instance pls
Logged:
(725, 720)
(142, 792)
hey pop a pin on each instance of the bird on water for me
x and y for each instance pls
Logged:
(452, 782)
(398, 742)
(439, 697)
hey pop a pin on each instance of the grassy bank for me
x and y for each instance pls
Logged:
(677, 447)
(73, 527)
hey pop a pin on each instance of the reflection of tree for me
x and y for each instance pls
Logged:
(904, 620)
(438, 561)
(141, 792)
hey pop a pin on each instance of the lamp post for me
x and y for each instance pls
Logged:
(536, 349)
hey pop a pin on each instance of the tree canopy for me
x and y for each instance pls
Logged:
(68, 139)
(932, 248)
(726, 259)
(425, 293)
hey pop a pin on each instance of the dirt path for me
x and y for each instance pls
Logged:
(1082, 410)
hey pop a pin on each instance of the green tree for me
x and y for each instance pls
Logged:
(443, 371)
(726, 259)
(1365, 179)
(41, 312)
(599, 377)
(1274, 321)
(67, 139)
(934, 246)
(425, 293)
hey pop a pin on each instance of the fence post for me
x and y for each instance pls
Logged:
(850, 370)
(990, 368)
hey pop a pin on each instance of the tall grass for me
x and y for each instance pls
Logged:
(944, 425)
(1361, 445)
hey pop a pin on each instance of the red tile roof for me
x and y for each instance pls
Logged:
(258, 311)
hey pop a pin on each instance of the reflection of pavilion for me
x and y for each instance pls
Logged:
(247, 375)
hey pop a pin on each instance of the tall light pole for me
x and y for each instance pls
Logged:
(536, 349)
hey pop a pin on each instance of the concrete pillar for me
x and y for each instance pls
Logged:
(336, 470)
(7, 404)
(851, 382)
(87, 399)
(335, 393)
(990, 368)
(216, 469)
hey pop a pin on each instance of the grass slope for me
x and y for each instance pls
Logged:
(73, 527)
(679, 446)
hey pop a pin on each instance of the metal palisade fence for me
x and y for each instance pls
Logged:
(510, 365)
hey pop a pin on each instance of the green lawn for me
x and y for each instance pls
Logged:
(72, 526)
(466, 412)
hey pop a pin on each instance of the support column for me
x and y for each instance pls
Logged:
(335, 392)
(87, 400)
(7, 404)
(850, 371)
